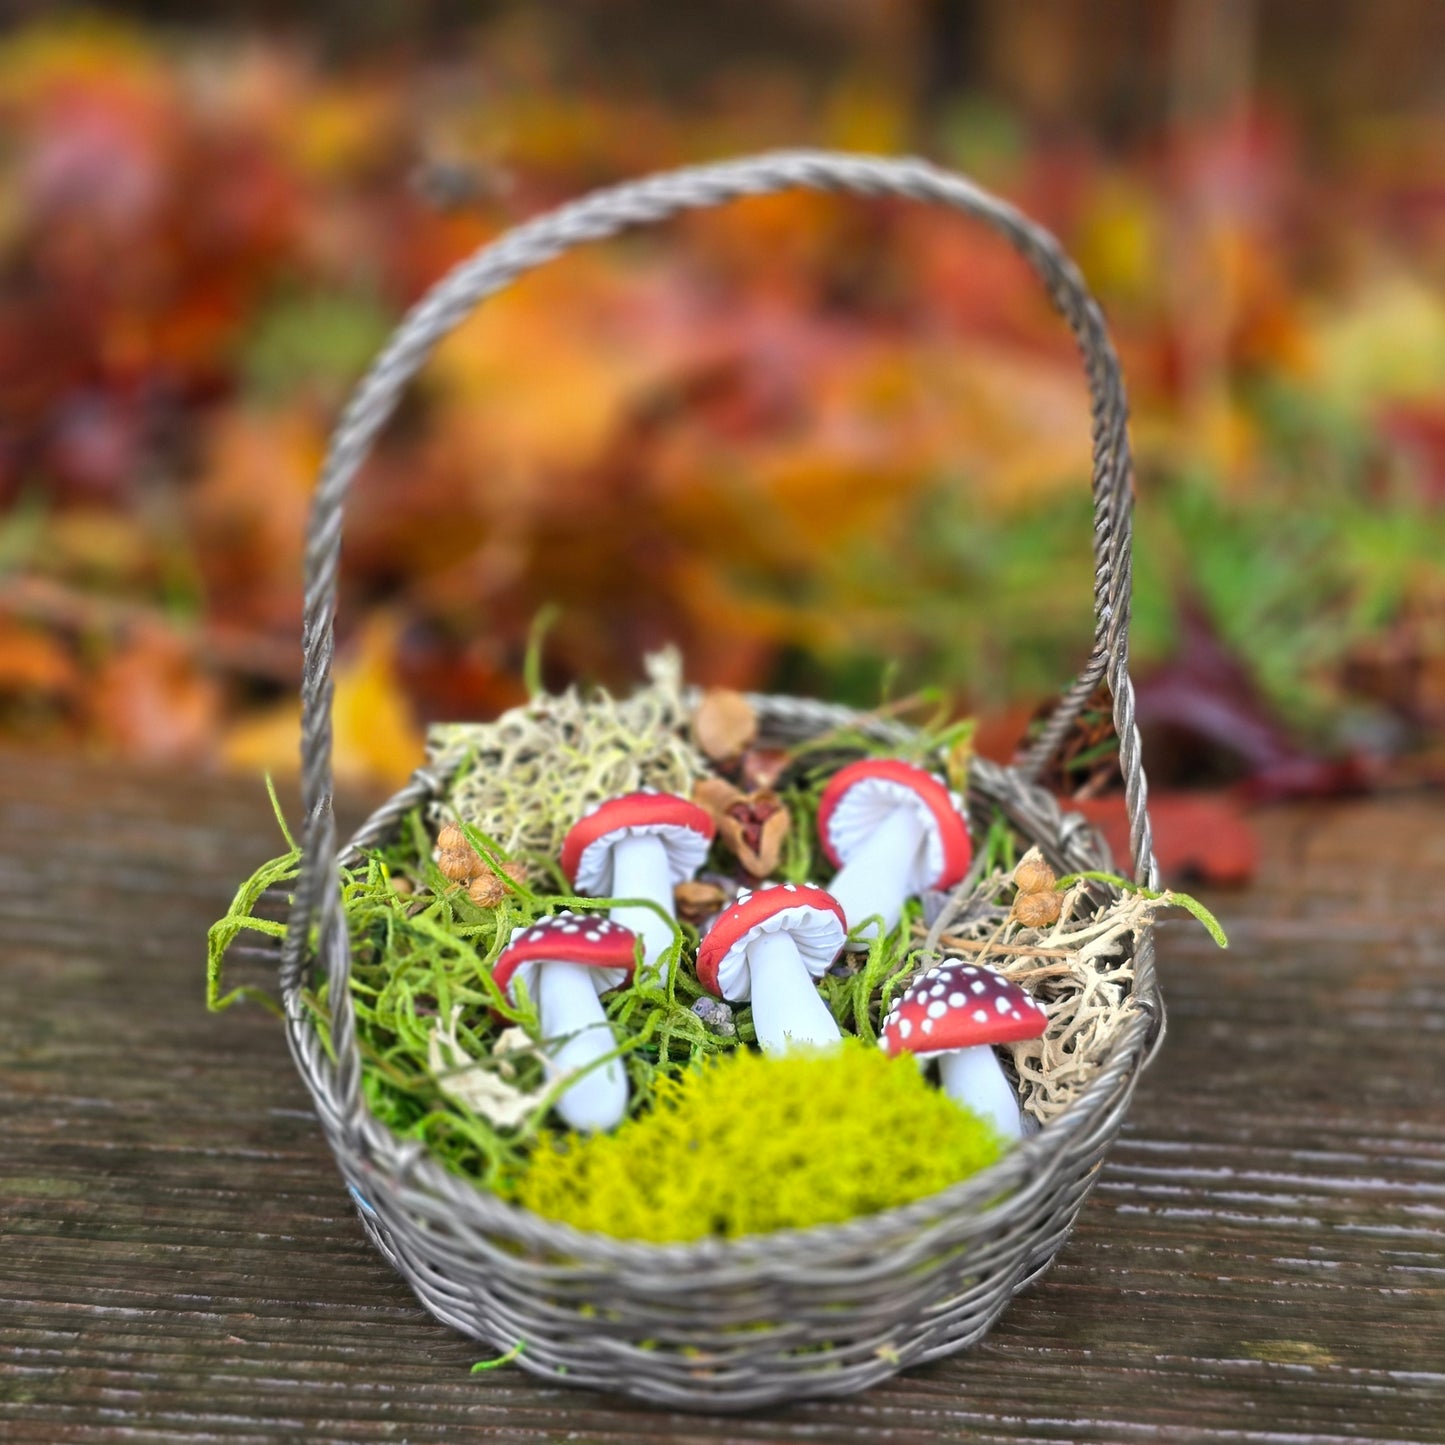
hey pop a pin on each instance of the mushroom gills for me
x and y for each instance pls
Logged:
(788, 1010)
(568, 1009)
(881, 874)
(640, 869)
(974, 1078)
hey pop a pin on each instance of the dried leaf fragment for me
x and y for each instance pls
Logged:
(724, 724)
(762, 767)
(470, 1083)
(696, 900)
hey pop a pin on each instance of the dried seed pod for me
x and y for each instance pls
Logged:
(754, 829)
(1037, 910)
(715, 796)
(459, 867)
(724, 724)
(456, 858)
(487, 889)
(1033, 875)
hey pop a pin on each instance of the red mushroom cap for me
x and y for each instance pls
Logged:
(684, 828)
(860, 795)
(956, 1006)
(570, 938)
(811, 917)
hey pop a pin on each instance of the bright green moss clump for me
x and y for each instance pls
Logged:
(747, 1143)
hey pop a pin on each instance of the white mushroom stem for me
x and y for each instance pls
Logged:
(878, 877)
(640, 870)
(569, 1009)
(787, 1007)
(975, 1078)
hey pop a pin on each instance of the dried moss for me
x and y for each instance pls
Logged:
(751, 1143)
(525, 778)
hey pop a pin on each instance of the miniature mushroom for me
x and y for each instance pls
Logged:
(892, 830)
(769, 947)
(956, 1012)
(567, 961)
(638, 846)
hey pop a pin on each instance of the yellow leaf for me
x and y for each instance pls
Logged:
(376, 739)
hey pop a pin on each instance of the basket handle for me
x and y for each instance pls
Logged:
(595, 217)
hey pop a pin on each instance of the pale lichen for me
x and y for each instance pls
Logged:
(525, 778)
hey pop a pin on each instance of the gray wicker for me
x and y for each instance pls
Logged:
(720, 1325)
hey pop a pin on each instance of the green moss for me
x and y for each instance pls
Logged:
(748, 1144)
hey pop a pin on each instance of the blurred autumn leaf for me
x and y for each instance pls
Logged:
(809, 439)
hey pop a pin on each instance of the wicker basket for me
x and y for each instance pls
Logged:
(721, 1324)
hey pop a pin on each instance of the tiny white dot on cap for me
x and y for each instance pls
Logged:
(905, 1028)
(928, 1026)
(978, 986)
(980, 1015)
(937, 1009)
(957, 1000)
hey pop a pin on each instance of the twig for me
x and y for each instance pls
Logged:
(1013, 950)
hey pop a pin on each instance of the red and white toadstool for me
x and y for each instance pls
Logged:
(892, 830)
(567, 962)
(769, 947)
(956, 1012)
(639, 846)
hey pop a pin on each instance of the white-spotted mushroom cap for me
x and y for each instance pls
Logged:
(860, 796)
(808, 915)
(959, 1005)
(685, 830)
(607, 948)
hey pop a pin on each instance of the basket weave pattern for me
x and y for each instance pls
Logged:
(740, 1323)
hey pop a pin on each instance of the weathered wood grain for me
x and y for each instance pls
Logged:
(1263, 1259)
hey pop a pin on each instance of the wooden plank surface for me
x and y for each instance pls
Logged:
(1263, 1259)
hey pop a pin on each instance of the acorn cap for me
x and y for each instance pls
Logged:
(684, 829)
(959, 1005)
(596, 943)
(811, 917)
(860, 796)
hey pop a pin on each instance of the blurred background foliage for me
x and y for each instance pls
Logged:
(818, 443)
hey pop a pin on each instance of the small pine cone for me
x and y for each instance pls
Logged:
(487, 890)
(1037, 910)
(1033, 875)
